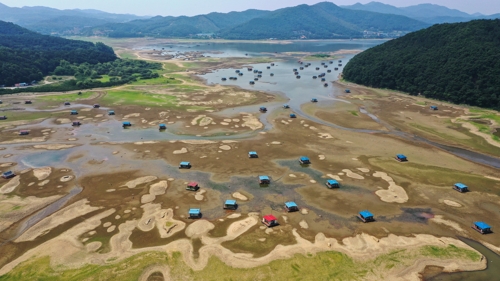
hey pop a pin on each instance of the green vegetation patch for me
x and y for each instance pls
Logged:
(451, 251)
(67, 97)
(124, 97)
(158, 81)
(323, 266)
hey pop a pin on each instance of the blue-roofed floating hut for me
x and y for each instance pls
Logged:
(230, 205)
(401, 158)
(97, 105)
(126, 124)
(326, 84)
(304, 160)
(262, 109)
(162, 126)
(481, 227)
(315, 77)
(347, 90)
(314, 100)
(298, 76)
(329, 71)
(76, 123)
(223, 79)
(74, 112)
(291, 207)
(111, 112)
(264, 180)
(292, 115)
(433, 107)
(8, 175)
(252, 82)
(332, 184)
(286, 106)
(272, 74)
(253, 154)
(366, 216)
(185, 165)
(24, 133)
(194, 213)
(460, 187)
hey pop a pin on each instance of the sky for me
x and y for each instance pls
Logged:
(196, 7)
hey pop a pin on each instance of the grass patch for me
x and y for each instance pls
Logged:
(67, 97)
(323, 266)
(451, 251)
(172, 67)
(127, 55)
(104, 78)
(157, 81)
(123, 97)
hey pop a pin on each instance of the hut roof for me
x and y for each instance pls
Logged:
(263, 107)
(163, 125)
(270, 218)
(460, 185)
(194, 211)
(193, 184)
(366, 214)
(263, 178)
(8, 173)
(111, 111)
(230, 202)
(400, 156)
(293, 115)
(252, 153)
(303, 158)
(332, 182)
(74, 111)
(290, 204)
(126, 123)
(185, 163)
(482, 225)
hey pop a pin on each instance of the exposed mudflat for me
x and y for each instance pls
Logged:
(133, 198)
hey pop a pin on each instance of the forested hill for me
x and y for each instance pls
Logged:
(457, 62)
(26, 56)
(324, 20)
(176, 26)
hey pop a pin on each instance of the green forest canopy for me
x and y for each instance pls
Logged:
(458, 62)
(26, 56)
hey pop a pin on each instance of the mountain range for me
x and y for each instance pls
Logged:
(63, 22)
(320, 21)
(324, 20)
(428, 13)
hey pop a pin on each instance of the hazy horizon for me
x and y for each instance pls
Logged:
(196, 7)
